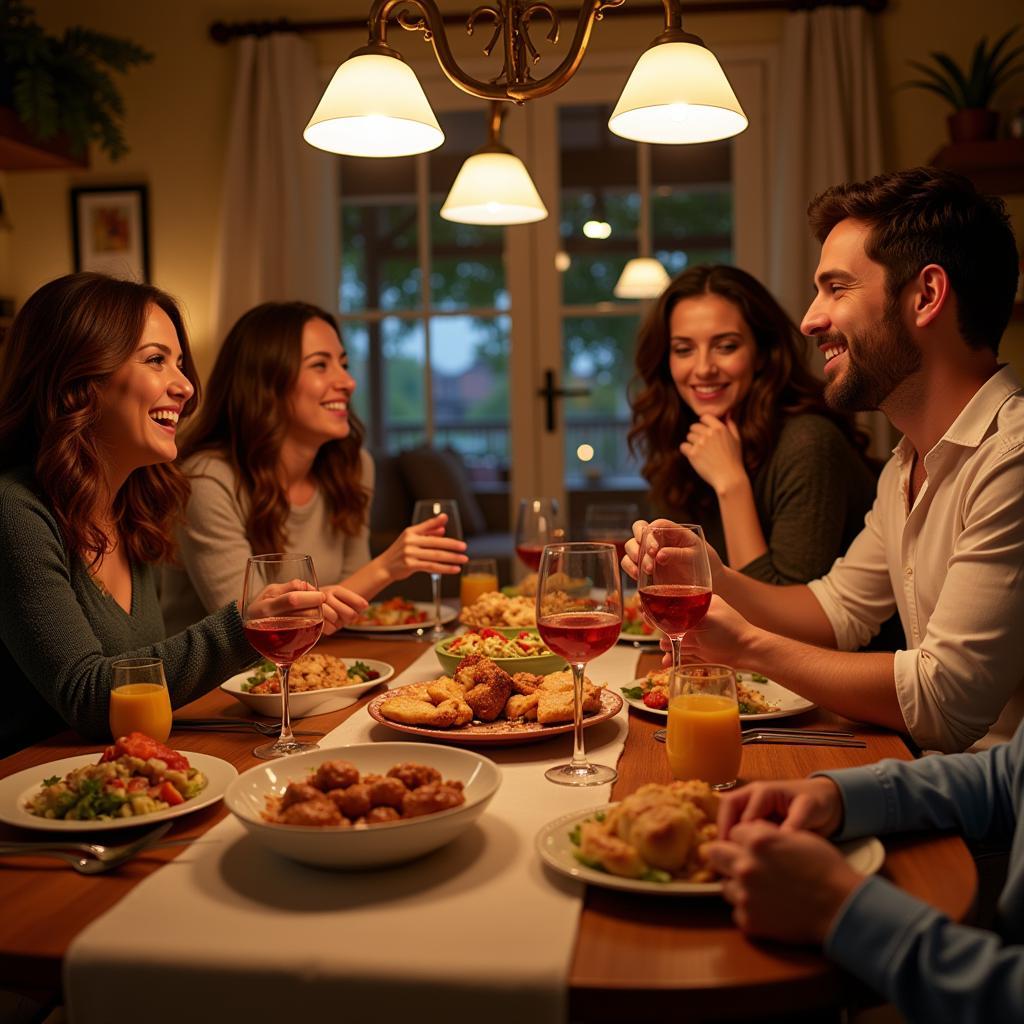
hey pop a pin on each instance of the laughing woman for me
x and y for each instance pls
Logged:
(735, 434)
(276, 462)
(94, 374)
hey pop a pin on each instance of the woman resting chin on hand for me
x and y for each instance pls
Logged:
(276, 463)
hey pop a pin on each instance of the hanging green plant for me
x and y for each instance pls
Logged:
(973, 88)
(61, 86)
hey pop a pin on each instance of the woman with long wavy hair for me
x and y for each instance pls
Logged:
(94, 375)
(735, 434)
(276, 461)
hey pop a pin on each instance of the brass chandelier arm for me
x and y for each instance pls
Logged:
(514, 82)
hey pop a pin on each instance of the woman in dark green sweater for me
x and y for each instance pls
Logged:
(94, 376)
(735, 434)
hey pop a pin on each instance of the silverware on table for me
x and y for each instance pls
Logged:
(237, 725)
(796, 737)
(91, 858)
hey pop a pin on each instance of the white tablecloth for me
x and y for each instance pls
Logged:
(476, 931)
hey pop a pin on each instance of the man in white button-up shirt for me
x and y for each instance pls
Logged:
(915, 286)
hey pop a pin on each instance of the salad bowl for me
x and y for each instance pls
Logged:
(514, 650)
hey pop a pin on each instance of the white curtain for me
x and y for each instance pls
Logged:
(279, 235)
(829, 132)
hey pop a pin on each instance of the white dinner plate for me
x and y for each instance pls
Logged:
(17, 789)
(556, 850)
(448, 614)
(303, 703)
(789, 703)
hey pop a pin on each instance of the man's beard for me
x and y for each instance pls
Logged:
(885, 357)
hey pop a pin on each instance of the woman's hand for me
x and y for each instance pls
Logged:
(714, 449)
(782, 884)
(296, 597)
(423, 547)
(341, 607)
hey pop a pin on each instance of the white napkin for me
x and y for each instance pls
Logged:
(476, 931)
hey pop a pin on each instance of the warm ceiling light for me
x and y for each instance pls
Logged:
(368, 110)
(493, 186)
(643, 277)
(677, 93)
(374, 106)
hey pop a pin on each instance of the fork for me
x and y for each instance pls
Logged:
(798, 738)
(91, 858)
(236, 725)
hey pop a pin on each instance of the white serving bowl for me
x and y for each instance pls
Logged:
(304, 703)
(377, 845)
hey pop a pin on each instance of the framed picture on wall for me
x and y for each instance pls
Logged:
(110, 230)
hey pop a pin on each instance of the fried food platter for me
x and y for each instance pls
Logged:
(498, 733)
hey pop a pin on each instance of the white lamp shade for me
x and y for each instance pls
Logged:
(493, 188)
(641, 278)
(374, 106)
(677, 93)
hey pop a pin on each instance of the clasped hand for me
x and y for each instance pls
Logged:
(714, 449)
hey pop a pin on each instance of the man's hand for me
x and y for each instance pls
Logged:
(812, 804)
(782, 884)
(666, 554)
(714, 449)
(720, 637)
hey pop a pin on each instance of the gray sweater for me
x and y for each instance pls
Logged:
(811, 497)
(59, 632)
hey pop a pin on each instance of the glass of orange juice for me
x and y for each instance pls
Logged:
(704, 739)
(479, 576)
(139, 701)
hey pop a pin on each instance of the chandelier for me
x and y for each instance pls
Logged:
(375, 105)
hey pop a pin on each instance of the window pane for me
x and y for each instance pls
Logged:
(598, 355)
(356, 339)
(469, 359)
(403, 406)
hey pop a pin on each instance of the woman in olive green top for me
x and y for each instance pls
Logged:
(94, 376)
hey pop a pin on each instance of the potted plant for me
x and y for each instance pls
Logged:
(59, 87)
(970, 91)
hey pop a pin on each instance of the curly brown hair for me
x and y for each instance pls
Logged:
(245, 419)
(59, 354)
(783, 386)
(924, 215)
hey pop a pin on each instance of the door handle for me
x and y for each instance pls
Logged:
(550, 392)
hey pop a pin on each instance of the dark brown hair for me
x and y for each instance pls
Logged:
(245, 418)
(924, 215)
(63, 347)
(782, 386)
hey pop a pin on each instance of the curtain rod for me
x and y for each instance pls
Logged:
(224, 32)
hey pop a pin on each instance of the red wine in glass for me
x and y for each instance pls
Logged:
(529, 555)
(674, 607)
(283, 638)
(580, 636)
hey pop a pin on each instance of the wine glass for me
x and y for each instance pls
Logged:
(279, 630)
(611, 524)
(427, 508)
(538, 522)
(674, 582)
(579, 628)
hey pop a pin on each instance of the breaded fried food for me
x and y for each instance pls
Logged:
(318, 812)
(335, 775)
(410, 711)
(413, 775)
(432, 797)
(525, 682)
(487, 687)
(444, 688)
(557, 705)
(522, 706)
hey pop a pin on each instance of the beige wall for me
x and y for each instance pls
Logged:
(177, 112)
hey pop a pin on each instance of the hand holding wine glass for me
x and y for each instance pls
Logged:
(283, 618)
(579, 629)
(674, 581)
(538, 522)
(429, 508)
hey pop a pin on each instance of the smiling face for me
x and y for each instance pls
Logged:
(859, 329)
(712, 354)
(140, 404)
(319, 401)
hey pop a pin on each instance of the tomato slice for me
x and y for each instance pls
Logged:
(170, 795)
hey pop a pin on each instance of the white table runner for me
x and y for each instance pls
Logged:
(476, 931)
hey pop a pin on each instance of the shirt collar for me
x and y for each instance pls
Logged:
(970, 428)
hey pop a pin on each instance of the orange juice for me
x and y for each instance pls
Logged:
(704, 738)
(140, 707)
(474, 584)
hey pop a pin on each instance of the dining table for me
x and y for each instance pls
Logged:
(633, 957)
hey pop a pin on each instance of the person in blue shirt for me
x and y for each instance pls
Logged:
(785, 881)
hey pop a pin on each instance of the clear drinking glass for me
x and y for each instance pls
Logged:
(538, 522)
(479, 576)
(139, 701)
(579, 628)
(674, 581)
(281, 632)
(704, 739)
(427, 508)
